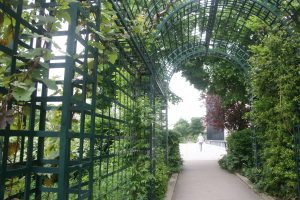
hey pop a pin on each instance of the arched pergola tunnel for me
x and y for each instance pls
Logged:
(78, 137)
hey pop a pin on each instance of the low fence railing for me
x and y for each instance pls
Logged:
(220, 143)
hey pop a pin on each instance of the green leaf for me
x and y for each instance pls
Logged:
(38, 52)
(97, 45)
(77, 97)
(32, 53)
(21, 94)
(46, 19)
(62, 14)
(47, 54)
(20, 85)
(26, 110)
(49, 83)
(112, 57)
(45, 65)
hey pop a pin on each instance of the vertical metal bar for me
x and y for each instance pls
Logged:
(167, 133)
(82, 115)
(188, 25)
(152, 137)
(211, 22)
(64, 147)
(181, 29)
(30, 138)
(254, 139)
(255, 147)
(9, 106)
(93, 111)
(297, 156)
(42, 121)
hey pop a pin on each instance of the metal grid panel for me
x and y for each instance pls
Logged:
(74, 143)
(55, 120)
(208, 22)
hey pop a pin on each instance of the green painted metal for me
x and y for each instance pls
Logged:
(222, 50)
(208, 22)
(64, 147)
(92, 152)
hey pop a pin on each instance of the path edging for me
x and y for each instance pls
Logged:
(171, 186)
(263, 196)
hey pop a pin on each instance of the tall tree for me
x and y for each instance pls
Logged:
(214, 112)
(196, 126)
(183, 127)
(223, 79)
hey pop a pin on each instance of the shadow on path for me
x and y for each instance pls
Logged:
(203, 179)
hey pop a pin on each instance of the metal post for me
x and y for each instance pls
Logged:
(297, 155)
(255, 147)
(167, 133)
(152, 138)
(64, 148)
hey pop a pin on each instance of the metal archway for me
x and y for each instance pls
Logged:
(230, 52)
(205, 23)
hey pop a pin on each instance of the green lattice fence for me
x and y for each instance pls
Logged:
(72, 89)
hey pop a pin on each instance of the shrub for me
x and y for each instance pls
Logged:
(162, 175)
(239, 145)
(239, 152)
(229, 162)
(175, 161)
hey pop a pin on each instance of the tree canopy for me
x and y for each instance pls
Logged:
(189, 130)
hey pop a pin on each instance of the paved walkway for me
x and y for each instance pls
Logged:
(203, 179)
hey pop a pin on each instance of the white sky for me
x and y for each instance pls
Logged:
(191, 106)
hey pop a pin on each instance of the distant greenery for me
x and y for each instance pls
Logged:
(196, 126)
(189, 131)
(182, 127)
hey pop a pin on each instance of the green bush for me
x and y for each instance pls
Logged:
(162, 175)
(275, 110)
(165, 169)
(239, 151)
(239, 145)
(278, 174)
(253, 174)
(175, 161)
(229, 162)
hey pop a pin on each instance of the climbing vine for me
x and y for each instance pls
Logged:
(275, 83)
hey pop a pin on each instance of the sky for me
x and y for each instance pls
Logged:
(191, 106)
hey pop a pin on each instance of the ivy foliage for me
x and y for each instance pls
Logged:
(175, 162)
(275, 85)
(18, 85)
(141, 179)
(215, 76)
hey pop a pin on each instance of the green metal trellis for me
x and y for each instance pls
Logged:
(217, 27)
(93, 138)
